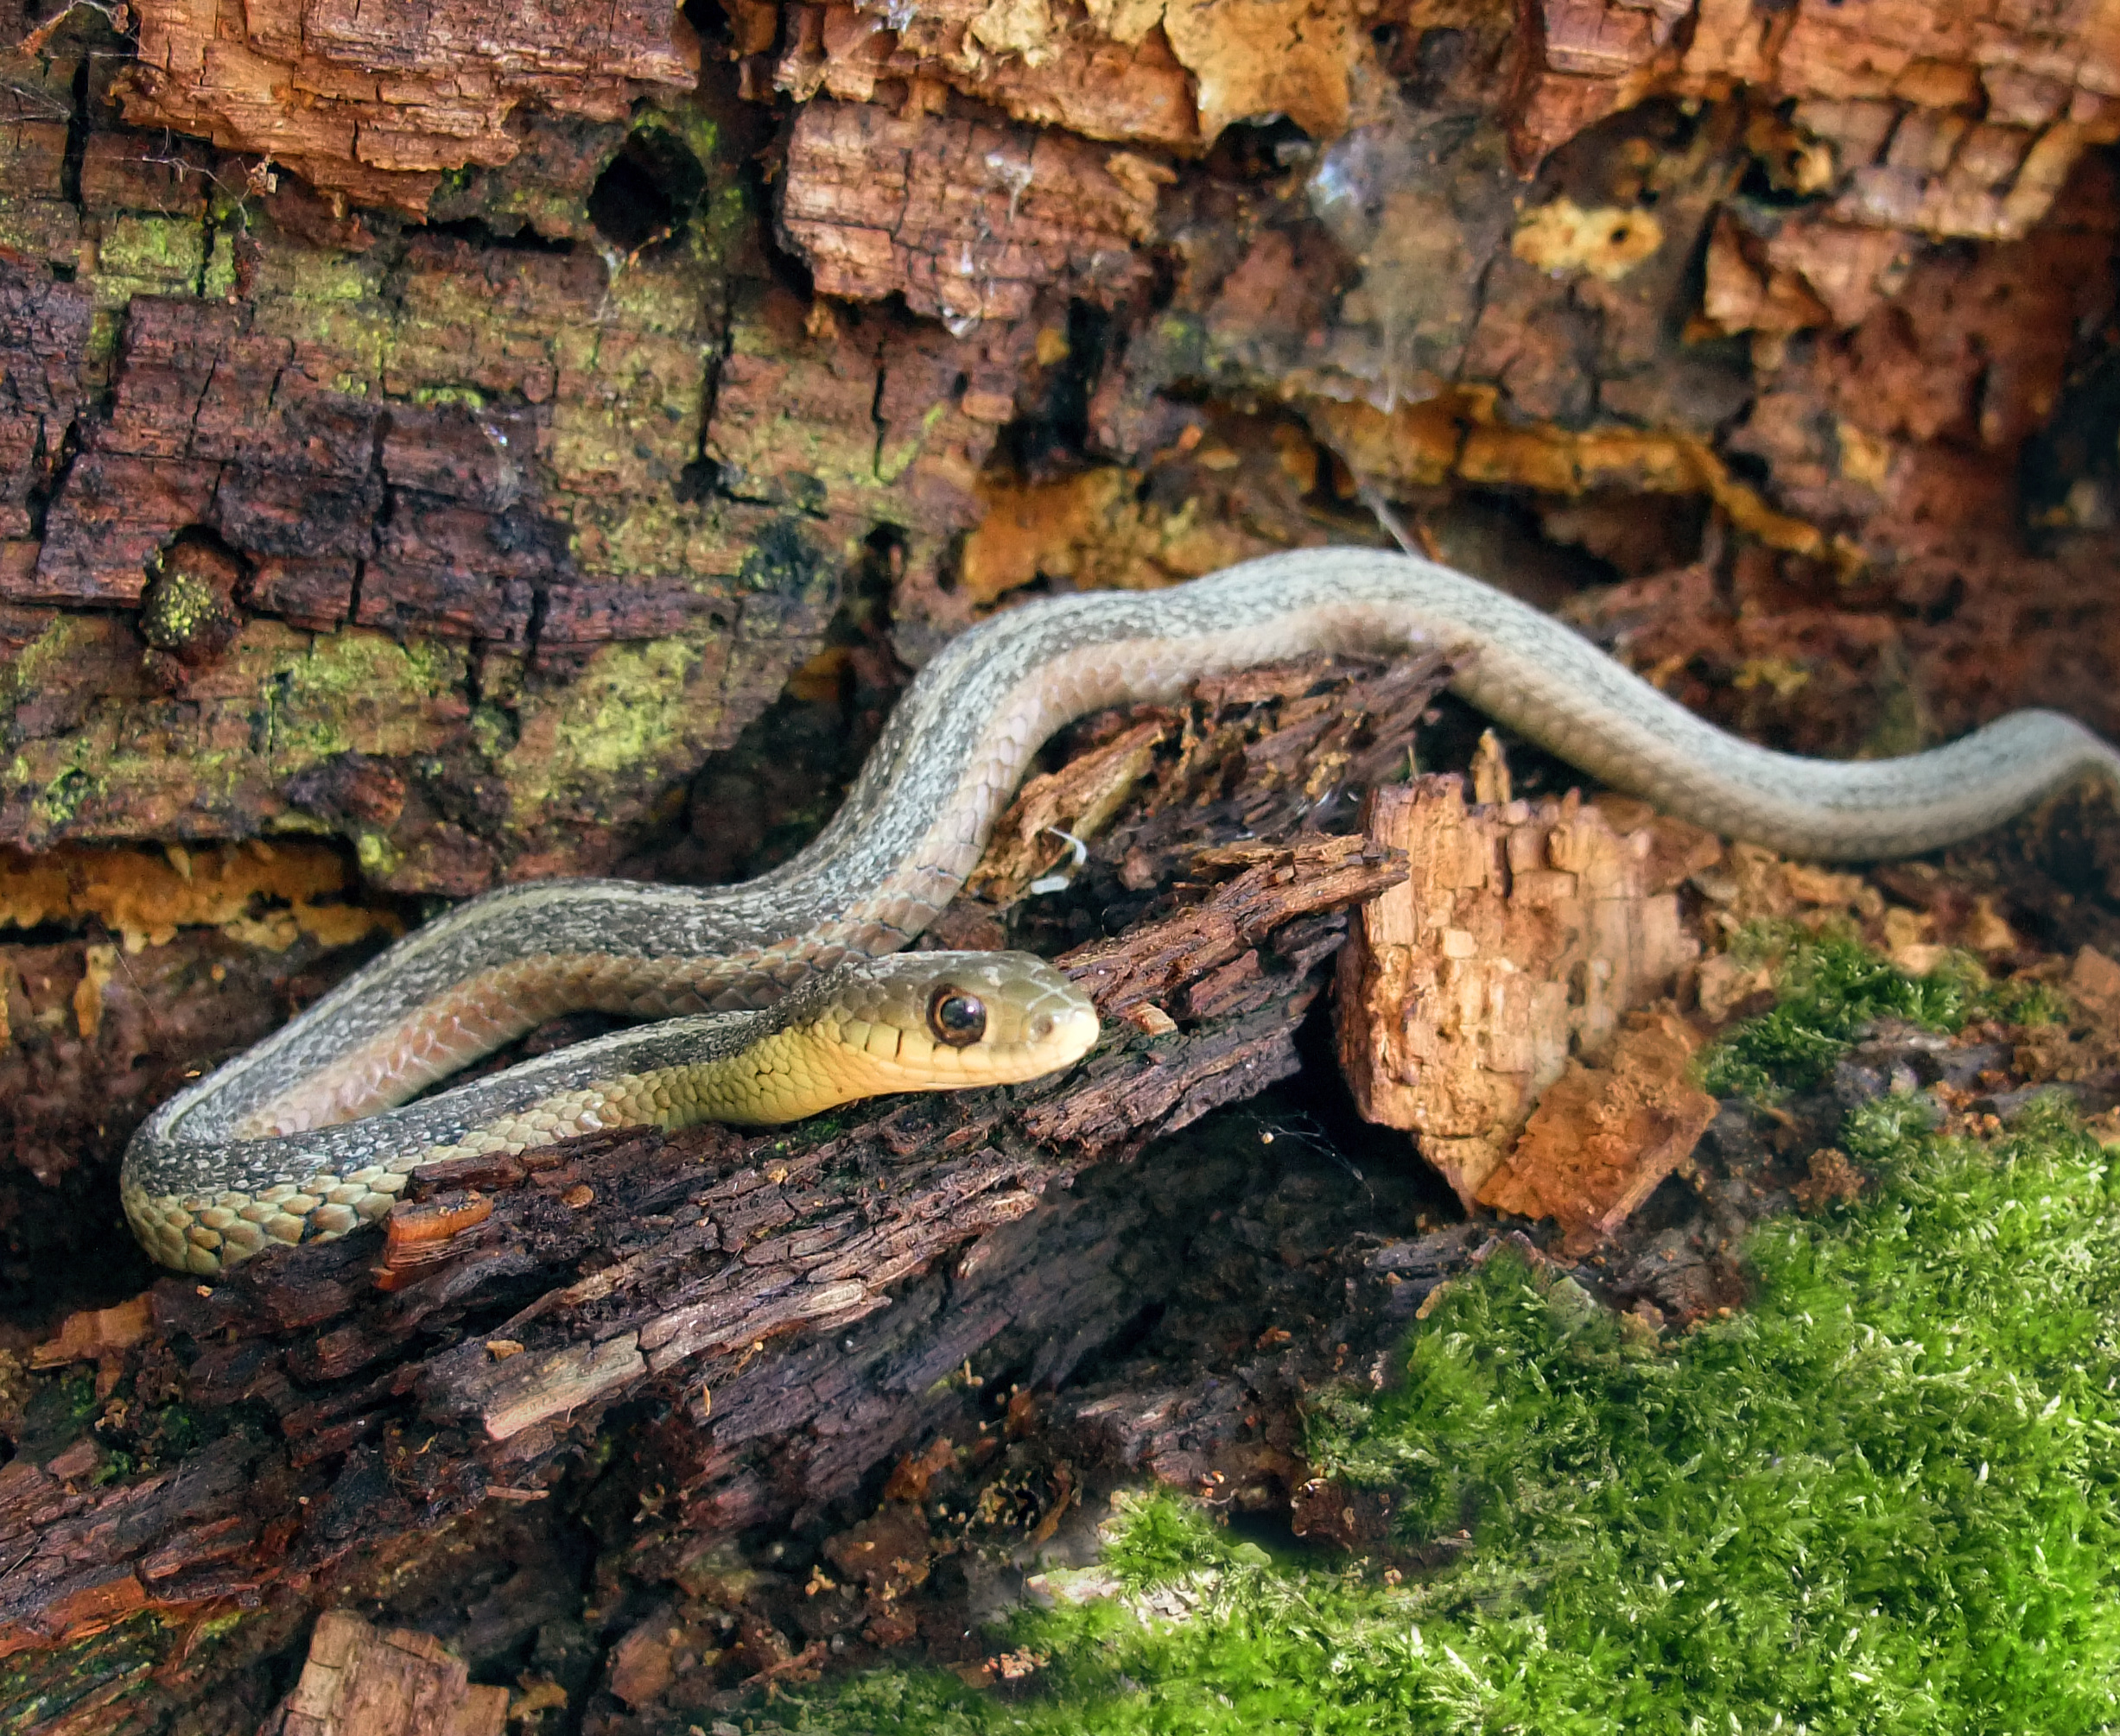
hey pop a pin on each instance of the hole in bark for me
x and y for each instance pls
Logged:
(1054, 430)
(652, 187)
(1259, 150)
(710, 21)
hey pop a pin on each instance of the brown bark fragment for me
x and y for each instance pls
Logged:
(1278, 884)
(362, 1681)
(1602, 1138)
(1521, 933)
(1888, 85)
(967, 221)
(1079, 800)
(376, 106)
(1253, 57)
(828, 387)
(1095, 77)
(2094, 980)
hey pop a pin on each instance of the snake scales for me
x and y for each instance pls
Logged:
(268, 1146)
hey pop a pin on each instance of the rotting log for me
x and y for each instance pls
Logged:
(431, 446)
(241, 1438)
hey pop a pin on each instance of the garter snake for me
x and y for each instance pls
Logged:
(299, 1112)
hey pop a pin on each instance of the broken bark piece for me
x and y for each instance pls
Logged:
(1521, 933)
(1188, 951)
(363, 1680)
(2094, 980)
(99, 1335)
(1885, 89)
(1602, 1138)
(308, 89)
(1830, 1179)
(1035, 64)
(967, 221)
(1054, 809)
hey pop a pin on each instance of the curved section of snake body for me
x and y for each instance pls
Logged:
(952, 754)
(918, 1022)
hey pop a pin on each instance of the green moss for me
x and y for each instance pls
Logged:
(2026, 1003)
(178, 607)
(38, 660)
(627, 715)
(220, 281)
(465, 396)
(318, 700)
(379, 857)
(1880, 1501)
(154, 255)
(1828, 990)
(60, 799)
(893, 463)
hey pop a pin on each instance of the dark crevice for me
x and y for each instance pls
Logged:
(876, 416)
(710, 20)
(533, 629)
(56, 468)
(648, 191)
(77, 139)
(482, 234)
(702, 477)
(1054, 433)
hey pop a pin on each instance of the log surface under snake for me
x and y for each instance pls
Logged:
(915, 822)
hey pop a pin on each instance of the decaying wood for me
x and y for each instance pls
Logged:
(429, 448)
(515, 1303)
(1601, 1138)
(302, 89)
(578, 448)
(360, 1681)
(1522, 934)
(967, 222)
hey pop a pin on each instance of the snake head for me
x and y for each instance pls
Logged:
(941, 1022)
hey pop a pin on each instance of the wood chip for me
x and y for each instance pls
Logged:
(362, 1681)
(1602, 1138)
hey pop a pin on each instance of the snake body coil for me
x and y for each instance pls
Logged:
(914, 826)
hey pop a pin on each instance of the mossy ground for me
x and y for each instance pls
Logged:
(1880, 1499)
(1831, 987)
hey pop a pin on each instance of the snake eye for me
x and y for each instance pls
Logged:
(956, 1017)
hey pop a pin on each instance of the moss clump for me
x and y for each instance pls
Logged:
(1881, 1501)
(1830, 988)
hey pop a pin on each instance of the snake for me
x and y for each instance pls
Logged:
(311, 1132)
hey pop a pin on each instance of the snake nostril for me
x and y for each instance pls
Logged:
(1040, 1028)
